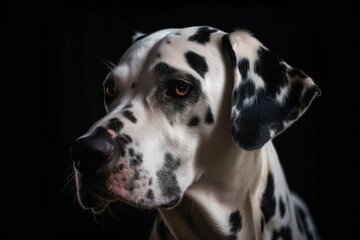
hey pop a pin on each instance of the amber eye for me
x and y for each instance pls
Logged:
(109, 88)
(181, 88)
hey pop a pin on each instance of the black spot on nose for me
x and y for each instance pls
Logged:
(91, 152)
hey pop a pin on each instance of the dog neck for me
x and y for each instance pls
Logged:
(232, 187)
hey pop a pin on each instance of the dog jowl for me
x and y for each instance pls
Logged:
(189, 113)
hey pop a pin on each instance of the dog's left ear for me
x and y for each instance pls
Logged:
(268, 94)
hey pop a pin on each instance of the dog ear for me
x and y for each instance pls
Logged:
(268, 94)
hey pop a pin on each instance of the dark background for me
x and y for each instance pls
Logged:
(317, 152)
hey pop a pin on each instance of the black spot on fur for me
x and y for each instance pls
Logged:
(150, 194)
(284, 234)
(131, 152)
(130, 116)
(150, 181)
(209, 117)
(245, 90)
(268, 203)
(235, 221)
(168, 183)
(282, 207)
(197, 62)
(121, 147)
(304, 223)
(127, 138)
(202, 35)
(129, 105)
(136, 175)
(227, 47)
(194, 121)
(271, 69)
(121, 166)
(115, 124)
(133, 85)
(243, 67)
(137, 160)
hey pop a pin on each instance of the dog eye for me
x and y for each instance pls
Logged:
(109, 88)
(179, 88)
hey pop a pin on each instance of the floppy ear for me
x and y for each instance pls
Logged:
(268, 94)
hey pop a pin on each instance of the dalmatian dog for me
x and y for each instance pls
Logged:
(190, 117)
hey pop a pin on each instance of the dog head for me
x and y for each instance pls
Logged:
(172, 92)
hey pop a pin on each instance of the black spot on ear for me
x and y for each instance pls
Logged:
(150, 194)
(194, 121)
(282, 207)
(130, 116)
(115, 124)
(202, 35)
(245, 90)
(268, 203)
(284, 234)
(272, 70)
(197, 62)
(209, 117)
(243, 66)
(235, 221)
(227, 48)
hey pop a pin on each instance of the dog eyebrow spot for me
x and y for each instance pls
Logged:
(197, 62)
(130, 116)
(202, 35)
(194, 121)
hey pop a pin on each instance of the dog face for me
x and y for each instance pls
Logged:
(167, 97)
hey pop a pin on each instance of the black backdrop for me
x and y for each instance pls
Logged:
(316, 152)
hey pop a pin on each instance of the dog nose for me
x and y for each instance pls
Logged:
(91, 152)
